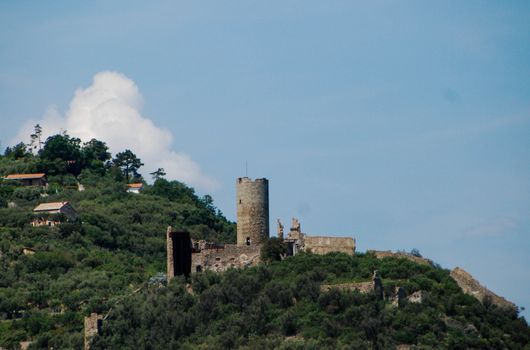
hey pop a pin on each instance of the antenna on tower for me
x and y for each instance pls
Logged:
(246, 168)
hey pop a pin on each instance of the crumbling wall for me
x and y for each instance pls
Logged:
(226, 257)
(323, 245)
(362, 287)
(374, 286)
(400, 255)
(473, 287)
(178, 245)
(92, 328)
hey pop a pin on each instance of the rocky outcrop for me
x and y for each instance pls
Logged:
(400, 255)
(473, 287)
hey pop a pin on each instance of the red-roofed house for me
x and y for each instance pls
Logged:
(38, 179)
(135, 188)
(46, 213)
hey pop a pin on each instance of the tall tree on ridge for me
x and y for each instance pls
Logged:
(128, 162)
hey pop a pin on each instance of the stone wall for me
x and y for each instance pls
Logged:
(92, 328)
(387, 253)
(473, 287)
(362, 287)
(374, 286)
(323, 245)
(179, 248)
(225, 257)
(252, 211)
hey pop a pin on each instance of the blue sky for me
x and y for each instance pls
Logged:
(403, 124)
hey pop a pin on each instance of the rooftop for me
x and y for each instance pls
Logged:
(136, 185)
(50, 206)
(25, 176)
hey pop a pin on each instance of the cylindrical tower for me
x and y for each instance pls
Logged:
(252, 211)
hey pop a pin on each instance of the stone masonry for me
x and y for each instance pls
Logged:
(324, 244)
(297, 241)
(92, 328)
(374, 286)
(179, 251)
(400, 255)
(252, 211)
(207, 257)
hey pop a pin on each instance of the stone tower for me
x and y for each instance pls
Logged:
(252, 211)
(178, 253)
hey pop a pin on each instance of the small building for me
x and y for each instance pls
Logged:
(46, 213)
(38, 179)
(135, 188)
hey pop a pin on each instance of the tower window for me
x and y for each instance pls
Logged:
(248, 240)
(240, 201)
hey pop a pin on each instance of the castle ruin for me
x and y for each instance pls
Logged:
(185, 256)
(179, 252)
(297, 241)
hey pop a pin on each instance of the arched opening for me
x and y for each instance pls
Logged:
(198, 268)
(248, 241)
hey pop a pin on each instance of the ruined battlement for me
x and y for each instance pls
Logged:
(400, 255)
(179, 248)
(223, 258)
(249, 180)
(297, 241)
(324, 244)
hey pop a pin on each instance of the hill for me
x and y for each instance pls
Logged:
(282, 305)
(51, 276)
(108, 261)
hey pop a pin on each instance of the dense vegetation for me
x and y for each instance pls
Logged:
(109, 261)
(280, 305)
(85, 266)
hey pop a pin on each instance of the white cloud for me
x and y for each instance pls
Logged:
(110, 110)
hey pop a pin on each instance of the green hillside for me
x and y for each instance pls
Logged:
(280, 306)
(84, 266)
(108, 261)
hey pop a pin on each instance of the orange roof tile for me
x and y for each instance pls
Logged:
(24, 176)
(136, 185)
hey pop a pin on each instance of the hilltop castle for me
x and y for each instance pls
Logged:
(186, 256)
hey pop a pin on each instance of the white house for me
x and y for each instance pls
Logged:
(135, 188)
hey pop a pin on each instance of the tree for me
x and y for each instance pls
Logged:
(63, 148)
(273, 249)
(36, 138)
(128, 162)
(17, 151)
(415, 252)
(95, 153)
(159, 173)
(96, 150)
